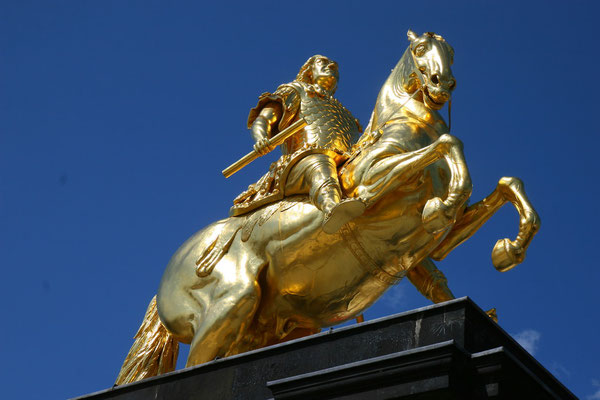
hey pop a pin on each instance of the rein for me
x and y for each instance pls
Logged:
(449, 114)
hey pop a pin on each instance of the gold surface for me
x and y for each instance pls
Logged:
(311, 157)
(275, 141)
(154, 351)
(273, 274)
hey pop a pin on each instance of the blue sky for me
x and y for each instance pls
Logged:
(116, 119)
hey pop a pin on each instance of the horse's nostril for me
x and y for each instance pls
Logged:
(435, 80)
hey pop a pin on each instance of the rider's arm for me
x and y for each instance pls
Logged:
(274, 112)
(263, 126)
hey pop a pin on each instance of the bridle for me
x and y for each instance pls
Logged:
(374, 134)
(422, 85)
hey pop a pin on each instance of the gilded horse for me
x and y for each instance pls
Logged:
(273, 275)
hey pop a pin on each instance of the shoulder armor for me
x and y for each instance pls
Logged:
(290, 95)
(287, 95)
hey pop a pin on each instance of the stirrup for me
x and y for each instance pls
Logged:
(342, 213)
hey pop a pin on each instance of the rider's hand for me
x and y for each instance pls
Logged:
(263, 146)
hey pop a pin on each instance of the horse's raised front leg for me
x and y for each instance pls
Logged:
(382, 170)
(506, 254)
(438, 213)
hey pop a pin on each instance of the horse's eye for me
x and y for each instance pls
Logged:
(420, 50)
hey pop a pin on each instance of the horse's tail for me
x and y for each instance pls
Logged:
(154, 350)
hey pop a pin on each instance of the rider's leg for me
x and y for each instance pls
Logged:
(337, 212)
(317, 174)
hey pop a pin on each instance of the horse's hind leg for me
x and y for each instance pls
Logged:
(232, 304)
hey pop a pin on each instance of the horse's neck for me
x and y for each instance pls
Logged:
(394, 102)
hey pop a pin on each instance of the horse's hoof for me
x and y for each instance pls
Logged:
(435, 215)
(506, 255)
(345, 211)
(492, 314)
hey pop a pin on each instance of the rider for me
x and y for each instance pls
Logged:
(320, 147)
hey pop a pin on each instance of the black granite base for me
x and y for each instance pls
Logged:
(450, 350)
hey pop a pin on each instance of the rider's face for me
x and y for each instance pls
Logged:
(325, 72)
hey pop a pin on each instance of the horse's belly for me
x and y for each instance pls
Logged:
(322, 283)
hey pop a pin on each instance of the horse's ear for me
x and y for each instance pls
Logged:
(411, 35)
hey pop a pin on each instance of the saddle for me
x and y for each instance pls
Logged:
(271, 186)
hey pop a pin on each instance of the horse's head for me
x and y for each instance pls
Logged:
(432, 58)
(423, 74)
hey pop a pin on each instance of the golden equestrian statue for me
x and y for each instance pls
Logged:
(336, 221)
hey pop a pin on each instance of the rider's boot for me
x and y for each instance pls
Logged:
(337, 212)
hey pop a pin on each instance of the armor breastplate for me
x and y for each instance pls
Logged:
(329, 124)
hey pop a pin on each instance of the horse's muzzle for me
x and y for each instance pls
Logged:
(435, 98)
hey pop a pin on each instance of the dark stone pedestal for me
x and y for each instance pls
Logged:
(446, 351)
